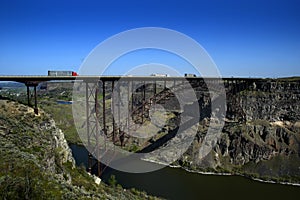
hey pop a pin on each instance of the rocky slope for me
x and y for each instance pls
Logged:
(36, 162)
(261, 136)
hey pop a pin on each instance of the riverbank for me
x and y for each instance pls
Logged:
(237, 174)
(224, 174)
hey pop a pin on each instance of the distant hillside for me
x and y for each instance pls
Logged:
(11, 85)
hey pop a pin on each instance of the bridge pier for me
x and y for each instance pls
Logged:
(28, 95)
(36, 110)
(113, 112)
(34, 85)
(92, 124)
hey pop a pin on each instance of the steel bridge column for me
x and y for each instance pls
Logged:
(119, 102)
(104, 113)
(97, 129)
(92, 125)
(113, 110)
(28, 95)
(165, 87)
(103, 108)
(88, 126)
(133, 101)
(36, 110)
(128, 113)
(143, 100)
(132, 96)
(154, 97)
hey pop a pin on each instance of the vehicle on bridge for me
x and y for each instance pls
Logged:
(190, 75)
(160, 75)
(62, 73)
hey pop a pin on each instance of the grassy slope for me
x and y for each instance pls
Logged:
(31, 167)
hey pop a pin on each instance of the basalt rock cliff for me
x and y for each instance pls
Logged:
(261, 135)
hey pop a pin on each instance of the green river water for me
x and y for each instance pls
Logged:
(176, 183)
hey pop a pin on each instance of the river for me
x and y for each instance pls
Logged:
(176, 183)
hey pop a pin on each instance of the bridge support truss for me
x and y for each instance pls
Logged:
(34, 85)
(103, 120)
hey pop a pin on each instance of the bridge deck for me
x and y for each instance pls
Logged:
(24, 79)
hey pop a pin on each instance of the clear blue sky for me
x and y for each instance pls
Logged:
(244, 38)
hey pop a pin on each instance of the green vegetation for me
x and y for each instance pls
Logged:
(255, 93)
(47, 100)
(275, 169)
(34, 164)
(132, 148)
(112, 181)
(22, 179)
(261, 122)
(62, 115)
(294, 78)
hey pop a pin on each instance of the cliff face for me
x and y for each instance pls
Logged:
(261, 135)
(272, 101)
(37, 163)
(33, 152)
(22, 131)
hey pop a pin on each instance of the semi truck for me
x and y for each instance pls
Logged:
(62, 73)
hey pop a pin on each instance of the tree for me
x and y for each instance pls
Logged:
(112, 180)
